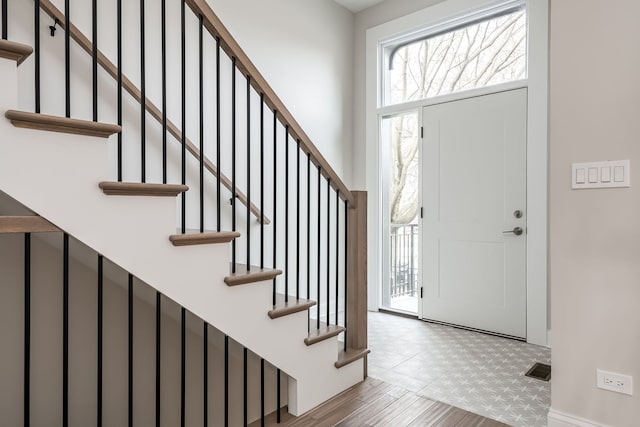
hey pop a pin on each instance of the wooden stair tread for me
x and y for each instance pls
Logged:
(324, 332)
(195, 237)
(26, 224)
(255, 274)
(350, 356)
(15, 51)
(46, 122)
(141, 189)
(285, 308)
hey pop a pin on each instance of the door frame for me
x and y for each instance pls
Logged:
(537, 145)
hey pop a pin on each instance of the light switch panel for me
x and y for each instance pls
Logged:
(607, 174)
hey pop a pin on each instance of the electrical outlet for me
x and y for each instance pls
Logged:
(615, 382)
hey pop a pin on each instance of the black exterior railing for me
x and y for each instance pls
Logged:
(404, 260)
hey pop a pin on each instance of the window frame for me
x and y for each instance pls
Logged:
(441, 13)
(391, 45)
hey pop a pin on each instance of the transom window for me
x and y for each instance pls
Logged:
(482, 52)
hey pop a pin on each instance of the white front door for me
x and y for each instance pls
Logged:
(474, 200)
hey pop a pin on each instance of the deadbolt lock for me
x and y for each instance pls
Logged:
(517, 213)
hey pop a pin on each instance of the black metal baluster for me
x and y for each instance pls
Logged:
(163, 18)
(286, 214)
(183, 364)
(319, 245)
(143, 99)
(298, 220)
(245, 378)
(65, 331)
(184, 116)
(205, 375)
(308, 237)
(67, 59)
(130, 349)
(36, 47)
(262, 392)
(4, 19)
(328, 250)
(278, 396)
(308, 225)
(233, 163)
(158, 355)
(119, 101)
(27, 328)
(201, 161)
(248, 172)
(275, 199)
(100, 333)
(226, 380)
(346, 267)
(261, 180)
(337, 252)
(94, 57)
(218, 137)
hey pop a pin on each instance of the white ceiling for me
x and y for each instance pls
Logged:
(357, 5)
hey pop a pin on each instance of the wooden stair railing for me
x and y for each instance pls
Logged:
(151, 108)
(213, 24)
(355, 203)
(355, 344)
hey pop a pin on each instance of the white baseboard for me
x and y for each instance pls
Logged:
(560, 419)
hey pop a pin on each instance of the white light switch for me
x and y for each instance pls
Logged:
(607, 174)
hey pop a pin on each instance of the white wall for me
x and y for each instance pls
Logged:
(594, 234)
(304, 49)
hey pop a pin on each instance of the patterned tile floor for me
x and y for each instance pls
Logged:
(473, 371)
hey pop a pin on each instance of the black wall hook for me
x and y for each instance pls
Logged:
(53, 28)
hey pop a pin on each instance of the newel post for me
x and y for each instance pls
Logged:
(357, 274)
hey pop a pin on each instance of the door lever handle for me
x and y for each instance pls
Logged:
(517, 231)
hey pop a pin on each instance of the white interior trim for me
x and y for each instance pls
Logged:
(537, 148)
(560, 419)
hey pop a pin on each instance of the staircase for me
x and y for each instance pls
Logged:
(290, 292)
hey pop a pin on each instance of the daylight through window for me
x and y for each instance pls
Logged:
(484, 53)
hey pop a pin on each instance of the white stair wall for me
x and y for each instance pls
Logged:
(57, 176)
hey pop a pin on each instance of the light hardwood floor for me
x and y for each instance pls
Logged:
(377, 403)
